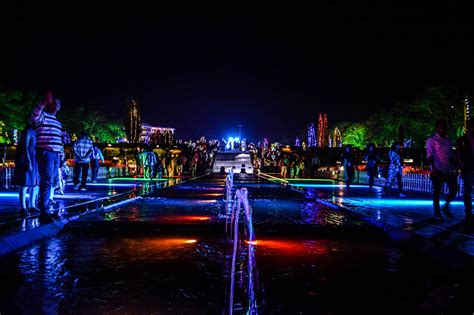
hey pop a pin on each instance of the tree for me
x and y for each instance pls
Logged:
(356, 135)
(16, 108)
(436, 103)
(99, 126)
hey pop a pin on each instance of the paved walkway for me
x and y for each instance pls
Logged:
(408, 217)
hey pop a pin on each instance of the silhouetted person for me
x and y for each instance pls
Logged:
(348, 162)
(96, 157)
(26, 170)
(465, 154)
(440, 155)
(372, 159)
(48, 148)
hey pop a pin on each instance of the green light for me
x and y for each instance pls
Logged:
(140, 179)
(310, 179)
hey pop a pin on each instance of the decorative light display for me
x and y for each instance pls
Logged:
(297, 142)
(15, 136)
(3, 133)
(322, 130)
(467, 111)
(132, 122)
(336, 138)
(311, 136)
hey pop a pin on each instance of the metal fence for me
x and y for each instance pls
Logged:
(410, 182)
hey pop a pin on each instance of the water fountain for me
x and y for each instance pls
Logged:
(241, 200)
(229, 183)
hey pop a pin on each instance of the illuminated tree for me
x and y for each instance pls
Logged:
(322, 130)
(16, 108)
(132, 122)
(336, 138)
(356, 135)
(467, 112)
(311, 136)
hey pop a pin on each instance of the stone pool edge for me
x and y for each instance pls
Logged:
(15, 241)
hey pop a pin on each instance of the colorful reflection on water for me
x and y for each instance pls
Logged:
(120, 270)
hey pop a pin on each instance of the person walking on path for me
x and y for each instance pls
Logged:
(82, 150)
(348, 162)
(48, 148)
(284, 163)
(395, 169)
(465, 155)
(440, 155)
(96, 158)
(372, 163)
(26, 170)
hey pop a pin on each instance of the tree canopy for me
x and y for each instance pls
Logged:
(412, 120)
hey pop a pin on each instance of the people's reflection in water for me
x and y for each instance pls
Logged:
(43, 268)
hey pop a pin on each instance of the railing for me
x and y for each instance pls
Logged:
(411, 182)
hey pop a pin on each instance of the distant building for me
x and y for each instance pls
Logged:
(156, 135)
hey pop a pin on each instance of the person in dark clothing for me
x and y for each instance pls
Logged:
(348, 162)
(48, 148)
(82, 150)
(96, 158)
(26, 170)
(465, 156)
(439, 152)
(372, 163)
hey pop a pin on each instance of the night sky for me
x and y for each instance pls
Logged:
(204, 71)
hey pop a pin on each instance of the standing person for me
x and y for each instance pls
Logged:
(348, 162)
(395, 169)
(465, 155)
(26, 170)
(149, 163)
(284, 162)
(315, 163)
(440, 155)
(64, 173)
(48, 148)
(139, 161)
(158, 168)
(181, 165)
(96, 157)
(82, 150)
(372, 163)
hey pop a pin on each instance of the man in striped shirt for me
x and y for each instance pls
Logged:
(48, 149)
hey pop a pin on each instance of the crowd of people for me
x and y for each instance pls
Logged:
(195, 158)
(445, 165)
(40, 162)
(41, 168)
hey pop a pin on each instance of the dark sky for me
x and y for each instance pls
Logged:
(206, 70)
